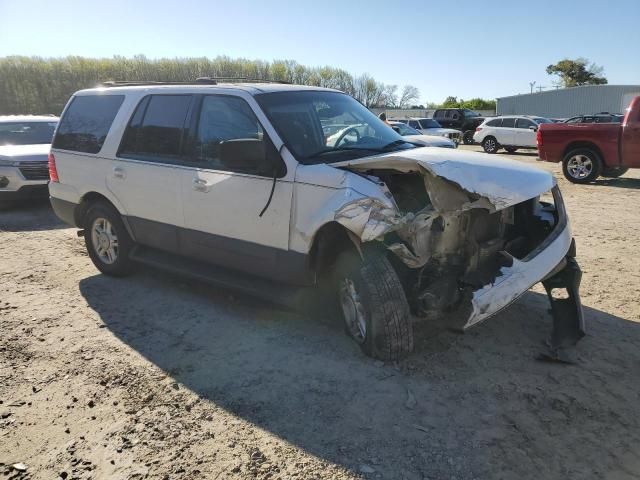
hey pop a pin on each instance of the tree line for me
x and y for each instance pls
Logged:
(43, 85)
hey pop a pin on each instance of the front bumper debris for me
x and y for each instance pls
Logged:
(568, 317)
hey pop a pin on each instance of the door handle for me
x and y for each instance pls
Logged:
(200, 185)
(118, 172)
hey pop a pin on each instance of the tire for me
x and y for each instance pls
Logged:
(490, 145)
(373, 305)
(467, 137)
(614, 172)
(103, 225)
(510, 149)
(581, 165)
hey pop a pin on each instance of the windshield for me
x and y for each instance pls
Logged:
(405, 130)
(470, 113)
(429, 123)
(326, 127)
(26, 133)
(542, 120)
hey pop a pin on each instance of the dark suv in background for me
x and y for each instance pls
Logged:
(461, 119)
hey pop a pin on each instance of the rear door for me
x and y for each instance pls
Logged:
(223, 196)
(525, 133)
(505, 133)
(145, 176)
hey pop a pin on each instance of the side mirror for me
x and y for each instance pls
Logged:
(535, 129)
(245, 155)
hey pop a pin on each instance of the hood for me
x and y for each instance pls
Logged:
(25, 153)
(439, 131)
(503, 182)
(429, 140)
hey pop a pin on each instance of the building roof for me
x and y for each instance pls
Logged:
(575, 89)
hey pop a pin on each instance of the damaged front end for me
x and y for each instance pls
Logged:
(464, 255)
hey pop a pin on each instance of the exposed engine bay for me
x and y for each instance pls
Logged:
(452, 251)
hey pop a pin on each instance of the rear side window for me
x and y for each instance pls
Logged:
(508, 123)
(86, 122)
(156, 129)
(494, 123)
(524, 123)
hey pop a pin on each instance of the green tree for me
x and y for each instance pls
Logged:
(573, 73)
(451, 102)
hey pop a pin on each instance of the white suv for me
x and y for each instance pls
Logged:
(236, 184)
(25, 141)
(509, 132)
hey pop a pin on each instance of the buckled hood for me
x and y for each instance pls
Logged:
(501, 181)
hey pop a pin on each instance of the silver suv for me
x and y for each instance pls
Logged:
(24, 147)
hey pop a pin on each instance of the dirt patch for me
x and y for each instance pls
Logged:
(152, 376)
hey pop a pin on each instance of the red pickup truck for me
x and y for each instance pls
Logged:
(590, 150)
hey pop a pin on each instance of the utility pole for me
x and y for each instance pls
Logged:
(532, 84)
(540, 88)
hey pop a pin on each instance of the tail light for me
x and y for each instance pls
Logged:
(53, 173)
(478, 129)
(539, 138)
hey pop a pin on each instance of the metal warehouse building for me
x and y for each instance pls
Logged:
(568, 102)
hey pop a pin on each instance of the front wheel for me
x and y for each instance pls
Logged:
(490, 145)
(374, 307)
(581, 166)
(107, 240)
(614, 172)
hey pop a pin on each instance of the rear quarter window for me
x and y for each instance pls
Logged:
(494, 123)
(86, 123)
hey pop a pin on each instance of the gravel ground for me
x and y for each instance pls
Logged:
(153, 376)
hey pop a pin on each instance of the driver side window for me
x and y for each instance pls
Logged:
(223, 121)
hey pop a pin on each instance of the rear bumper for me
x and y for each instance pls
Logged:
(64, 210)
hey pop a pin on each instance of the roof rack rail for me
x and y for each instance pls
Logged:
(197, 81)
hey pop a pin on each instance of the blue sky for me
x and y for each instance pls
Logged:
(464, 48)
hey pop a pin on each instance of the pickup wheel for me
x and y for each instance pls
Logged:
(467, 137)
(581, 165)
(373, 304)
(614, 172)
(107, 240)
(510, 149)
(490, 145)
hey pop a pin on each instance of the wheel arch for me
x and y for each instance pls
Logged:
(328, 242)
(586, 145)
(90, 198)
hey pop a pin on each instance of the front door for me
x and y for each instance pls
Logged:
(525, 133)
(223, 196)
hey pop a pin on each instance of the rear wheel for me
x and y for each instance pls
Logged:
(581, 165)
(373, 304)
(490, 145)
(614, 172)
(467, 137)
(107, 240)
(510, 149)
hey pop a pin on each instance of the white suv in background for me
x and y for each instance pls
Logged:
(508, 132)
(239, 185)
(25, 141)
